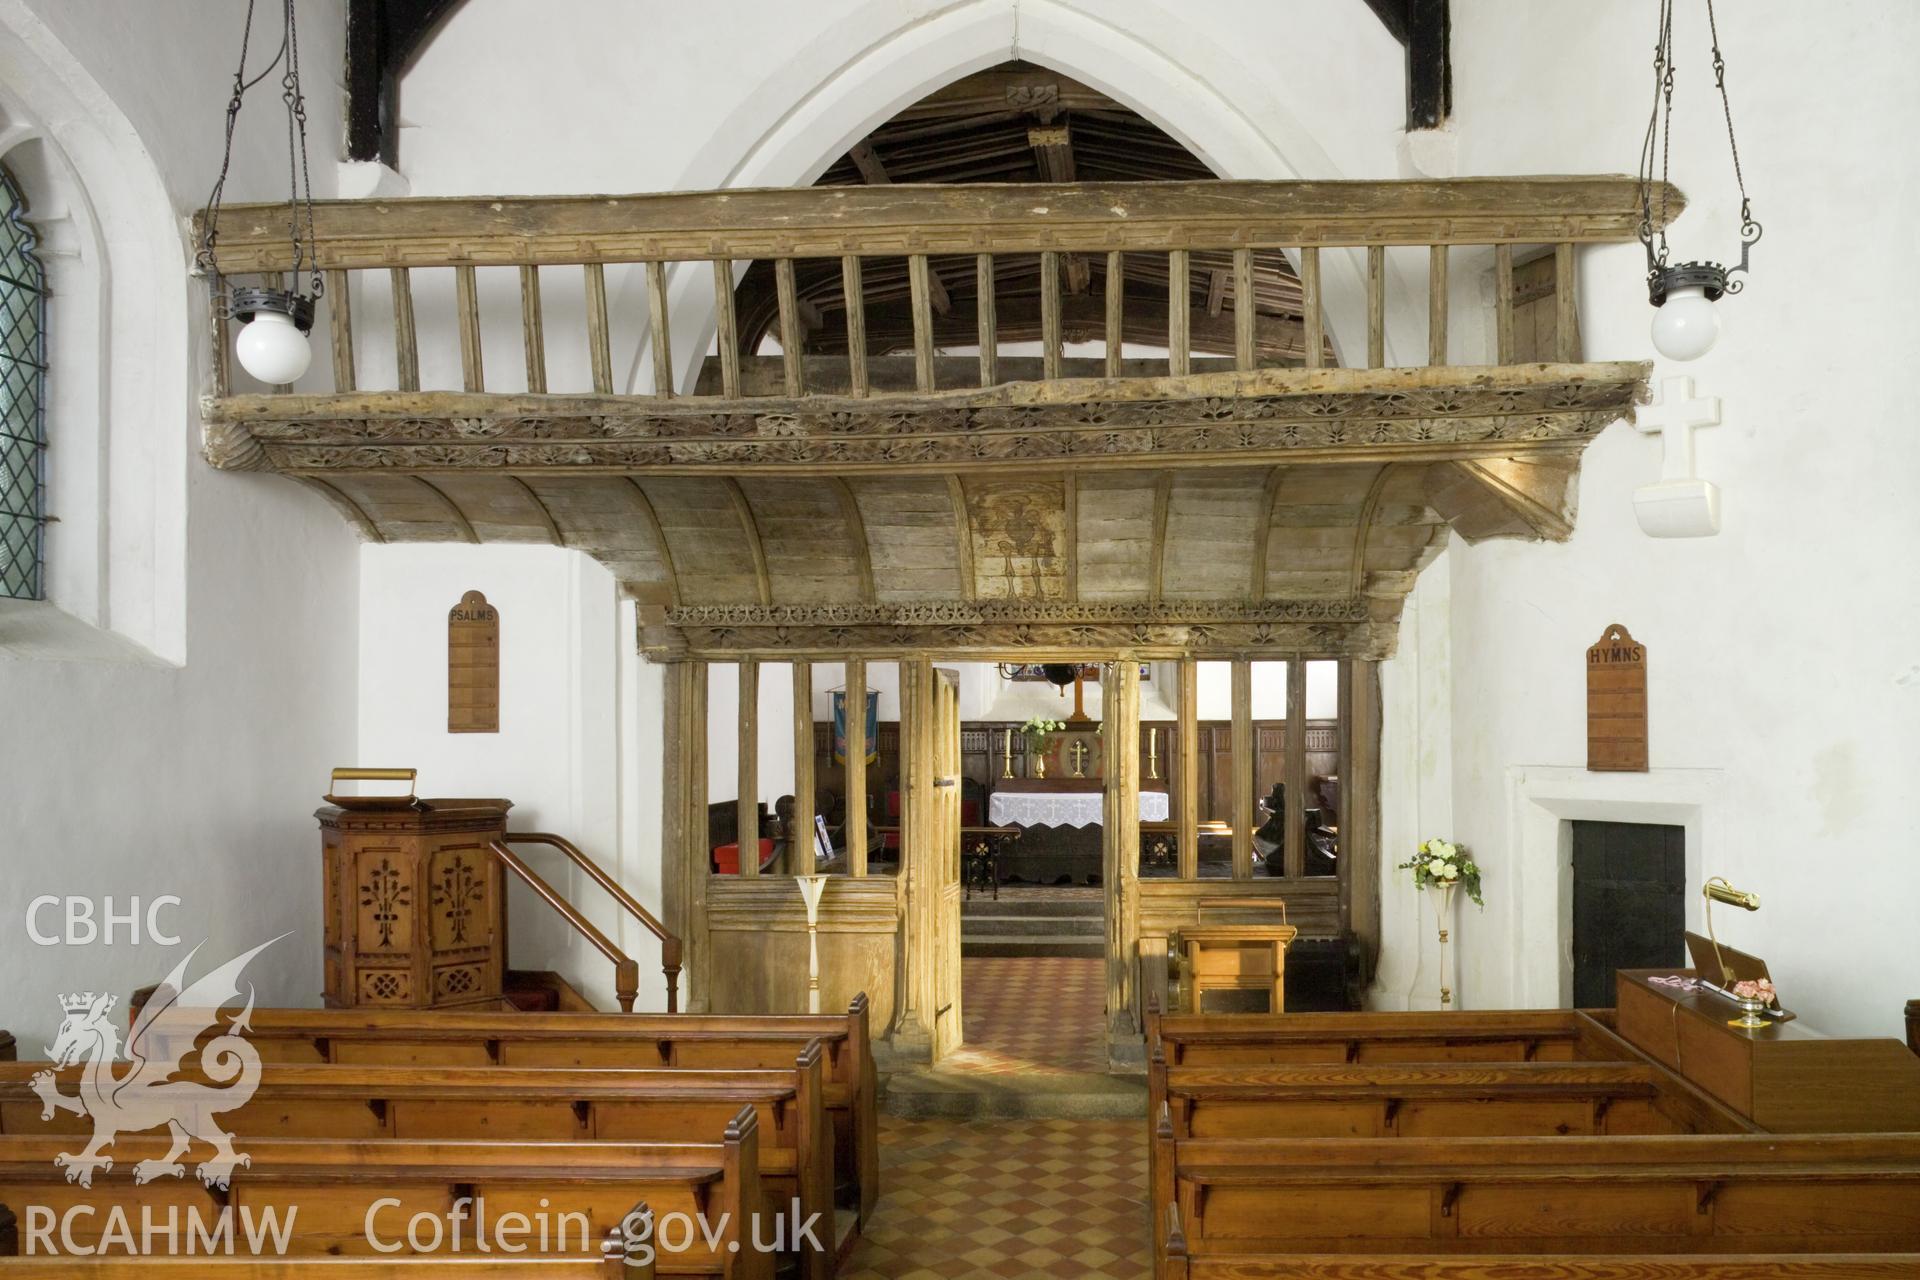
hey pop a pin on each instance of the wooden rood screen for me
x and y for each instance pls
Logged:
(690, 247)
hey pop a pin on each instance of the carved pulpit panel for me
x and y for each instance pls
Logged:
(1617, 703)
(460, 893)
(473, 666)
(419, 902)
(386, 900)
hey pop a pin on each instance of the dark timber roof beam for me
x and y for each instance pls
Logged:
(1425, 29)
(382, 38)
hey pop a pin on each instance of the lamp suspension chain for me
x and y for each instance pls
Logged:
(272, 344)
(1687, 328)
(300, 181)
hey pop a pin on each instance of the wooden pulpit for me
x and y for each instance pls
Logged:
(415, 902)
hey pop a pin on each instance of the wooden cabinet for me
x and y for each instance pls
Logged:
(1783, 1077)
(415, 904)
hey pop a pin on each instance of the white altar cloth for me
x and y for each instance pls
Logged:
(1064, 808)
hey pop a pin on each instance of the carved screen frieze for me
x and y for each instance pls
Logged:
(1352, 627)
(1269, 415)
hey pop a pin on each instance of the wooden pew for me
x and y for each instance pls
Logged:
(1249, 1207)
(584, 1268)
(1180, 1263)
(591, 1265)
(439, 1039)
(332, 1193)
(1548, 1035)
(1442, 1100)
(510, 1104)
(1426, 1100)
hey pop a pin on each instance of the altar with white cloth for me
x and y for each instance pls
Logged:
(1060, 820)
(1021, 808)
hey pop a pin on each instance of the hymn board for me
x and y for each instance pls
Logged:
(1617, 703)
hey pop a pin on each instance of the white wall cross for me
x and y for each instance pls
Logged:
(1673, 416)
(1678, 505)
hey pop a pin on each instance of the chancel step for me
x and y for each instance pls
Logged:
(1050, 926)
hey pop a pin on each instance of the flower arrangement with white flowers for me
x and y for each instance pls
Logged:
(1036, 729)
(1443, 863)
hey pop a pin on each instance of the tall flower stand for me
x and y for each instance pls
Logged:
(1444, 915)
(811, 887)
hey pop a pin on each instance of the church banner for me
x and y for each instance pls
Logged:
(840, 726)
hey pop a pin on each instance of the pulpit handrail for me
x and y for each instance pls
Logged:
(626, 972)
(670, 949)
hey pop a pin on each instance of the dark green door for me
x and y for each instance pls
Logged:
(1629, 904)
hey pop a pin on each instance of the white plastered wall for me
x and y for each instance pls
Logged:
(168, 728)
(1784, 673)
(1797, 688)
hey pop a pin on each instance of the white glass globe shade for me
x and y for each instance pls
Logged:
(272, 348)
(1685, 328)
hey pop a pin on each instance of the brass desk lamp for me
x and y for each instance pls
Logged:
(1718, 890)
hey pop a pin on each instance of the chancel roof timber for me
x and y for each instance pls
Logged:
(1024, 123)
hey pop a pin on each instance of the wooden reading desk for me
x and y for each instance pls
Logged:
(1236, 957)
(1784, 1077)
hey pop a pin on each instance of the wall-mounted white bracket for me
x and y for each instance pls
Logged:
(1678, 505)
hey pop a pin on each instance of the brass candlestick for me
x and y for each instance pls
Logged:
(1153, 755)
(1006, 757)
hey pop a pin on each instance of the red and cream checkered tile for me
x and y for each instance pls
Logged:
(1008, 1200)
(1031, 1015)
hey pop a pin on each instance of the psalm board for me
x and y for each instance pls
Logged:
(473, 666)
(1617, 703)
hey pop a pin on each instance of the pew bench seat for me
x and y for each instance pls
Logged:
(550, 1267)
(1573, 1195)
(443, 1039)
(344, 1197)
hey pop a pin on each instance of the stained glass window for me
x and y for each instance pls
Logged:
(23, 374)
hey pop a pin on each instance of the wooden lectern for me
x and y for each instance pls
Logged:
(415, 901)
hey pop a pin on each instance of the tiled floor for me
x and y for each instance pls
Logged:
(1008, 1200)
(1031, 1015)
(1028, 1199)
